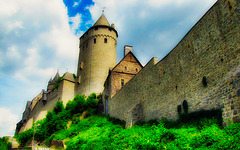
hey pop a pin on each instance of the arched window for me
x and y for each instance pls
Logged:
(105, 40)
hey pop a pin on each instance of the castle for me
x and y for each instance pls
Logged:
(202, 70)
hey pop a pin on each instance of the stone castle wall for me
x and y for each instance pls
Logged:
(64, 92)
(202, 69)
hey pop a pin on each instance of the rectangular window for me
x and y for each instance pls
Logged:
(105, 40)
(122, 82)
(95, 41)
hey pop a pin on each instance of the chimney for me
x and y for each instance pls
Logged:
(127, 49)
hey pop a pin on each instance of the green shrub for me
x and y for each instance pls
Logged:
(91, 104)
(78, 105)
(24, 137)
(5, 144)
(58, 107)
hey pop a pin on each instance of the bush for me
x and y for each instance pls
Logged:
(92, 104)
(24, 137)
(5, 144)
(58, 107)
(78, 105)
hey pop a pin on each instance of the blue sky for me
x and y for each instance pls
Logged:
(40, 37)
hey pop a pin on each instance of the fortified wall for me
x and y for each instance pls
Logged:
(203, 69)
(37, 108)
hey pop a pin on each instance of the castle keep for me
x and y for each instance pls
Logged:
(203, 70)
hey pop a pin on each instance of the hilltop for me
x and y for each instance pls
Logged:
(80, 125)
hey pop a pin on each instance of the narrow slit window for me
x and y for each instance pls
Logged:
(105, 40)
(122, 82)
(95, 41)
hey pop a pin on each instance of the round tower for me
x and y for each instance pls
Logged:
(97, 55)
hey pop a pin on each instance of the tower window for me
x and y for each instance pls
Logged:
(122, 82)
(125, 68)
(105, 40)
(95, 41)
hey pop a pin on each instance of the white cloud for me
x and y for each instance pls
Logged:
(143, 24)
(36, 41)
(76, 3)
(8, 122)
(76, 21)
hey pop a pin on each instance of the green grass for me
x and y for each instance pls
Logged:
(198, 130)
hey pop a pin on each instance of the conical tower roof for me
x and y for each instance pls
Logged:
(102, 21)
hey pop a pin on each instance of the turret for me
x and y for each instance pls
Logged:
(97, 55)
(52, 82)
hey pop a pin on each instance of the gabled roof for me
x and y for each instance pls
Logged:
(130, 53)
(102, 21)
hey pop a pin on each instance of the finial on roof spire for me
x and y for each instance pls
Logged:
(103, 9)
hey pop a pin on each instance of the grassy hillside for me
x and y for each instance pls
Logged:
(79, 126)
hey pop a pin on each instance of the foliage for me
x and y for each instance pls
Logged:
(78, 105)
(5, 144)
(58, 119)
(58, 107)
(92, 104)
(74, 76)
(24, 137)
(198, 130)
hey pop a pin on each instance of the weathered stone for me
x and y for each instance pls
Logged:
(222, 105)
(236, 119)
(234, 112)
(230, 96)
(238, 92)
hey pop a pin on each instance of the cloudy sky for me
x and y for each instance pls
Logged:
(39, 37)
